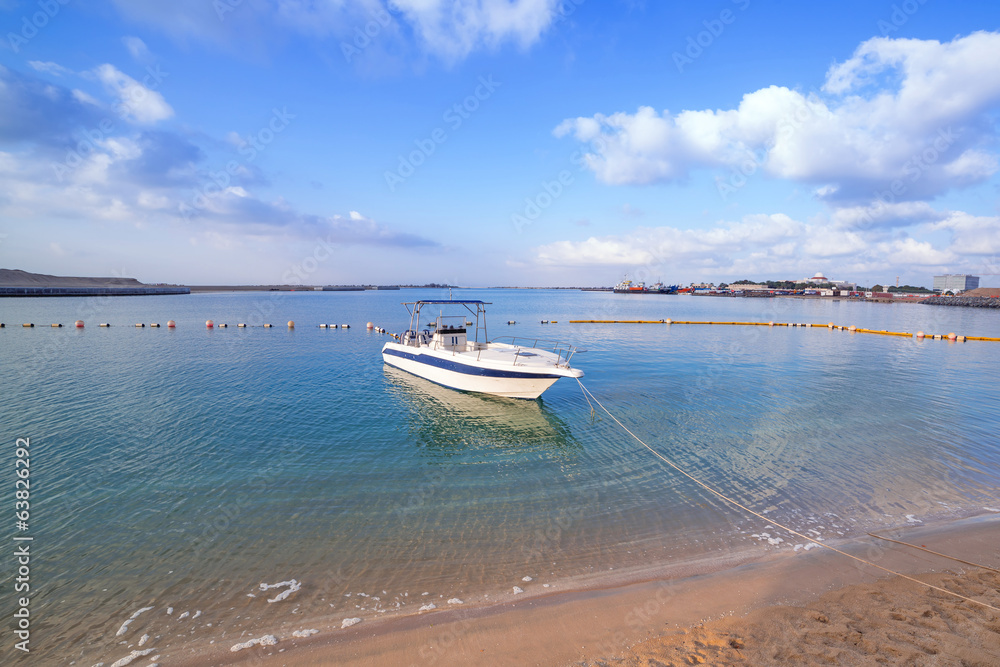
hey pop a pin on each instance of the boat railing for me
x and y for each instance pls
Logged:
(560, 349)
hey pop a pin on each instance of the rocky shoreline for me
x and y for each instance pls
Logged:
(967, 301)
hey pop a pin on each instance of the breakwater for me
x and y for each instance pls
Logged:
(90, 291)
(967, 301)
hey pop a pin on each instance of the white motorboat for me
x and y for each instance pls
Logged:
(512, 367)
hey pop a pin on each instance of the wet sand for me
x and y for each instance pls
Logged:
(814, 607)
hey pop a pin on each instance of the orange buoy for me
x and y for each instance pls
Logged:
(920, 334)
(370, 326)
(291, 324)
(951, 336)
(79, 324)
(830, 325)
(209, 324)
(171, 324)
(852, 328)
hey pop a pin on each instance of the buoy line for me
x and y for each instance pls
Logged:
(587, 392)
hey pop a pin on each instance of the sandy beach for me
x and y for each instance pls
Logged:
(814, 607)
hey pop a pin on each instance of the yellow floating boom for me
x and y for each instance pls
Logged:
(830, 325)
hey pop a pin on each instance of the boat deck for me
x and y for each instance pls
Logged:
(502, 354)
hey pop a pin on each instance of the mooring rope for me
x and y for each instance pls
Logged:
(930, 551)
(770, 520)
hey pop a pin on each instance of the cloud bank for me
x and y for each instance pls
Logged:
(71, 157)
(906, 117)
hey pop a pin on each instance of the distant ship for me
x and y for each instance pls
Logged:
(628, 287)
(660, 288)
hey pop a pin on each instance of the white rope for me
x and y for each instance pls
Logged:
(768, 519)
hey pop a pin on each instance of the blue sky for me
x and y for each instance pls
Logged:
(499, 142)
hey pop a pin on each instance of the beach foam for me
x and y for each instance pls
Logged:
(292, 585)
(122, 630)
(266, 640)
(132, 656)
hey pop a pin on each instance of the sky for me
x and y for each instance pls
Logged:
(500, 142)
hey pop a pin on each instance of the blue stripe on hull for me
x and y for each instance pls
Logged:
(465, 368)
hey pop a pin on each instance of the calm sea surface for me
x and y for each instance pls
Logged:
(183, 468)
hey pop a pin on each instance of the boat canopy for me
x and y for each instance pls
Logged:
(460, 301)
(474, 306)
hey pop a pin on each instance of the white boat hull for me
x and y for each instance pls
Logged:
(451, 370)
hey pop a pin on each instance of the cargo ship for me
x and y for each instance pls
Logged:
(628, 287)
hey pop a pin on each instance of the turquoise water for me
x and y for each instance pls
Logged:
(182, 468)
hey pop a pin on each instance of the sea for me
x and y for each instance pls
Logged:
(176, 475)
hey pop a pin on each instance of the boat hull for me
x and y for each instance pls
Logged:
(451, 372)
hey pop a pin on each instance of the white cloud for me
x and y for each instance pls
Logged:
(81, 96)
(454, 28)
(779, 247)
(55, 69)
(973, 235)
(135, 100)
(143, 177)
(137, 49)
(885, 214)
(656, 245)
(905, 117)
(448, 29)
(824, 242)
(910, 252)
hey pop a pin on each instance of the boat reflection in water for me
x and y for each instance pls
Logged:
(454, 421)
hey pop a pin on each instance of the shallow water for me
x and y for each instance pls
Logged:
(182, 468)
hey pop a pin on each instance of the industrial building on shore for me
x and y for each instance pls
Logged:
(955, 283)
